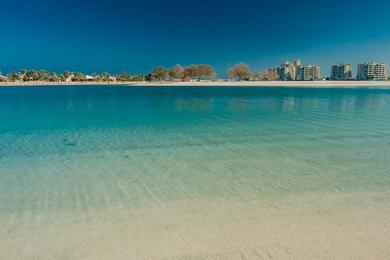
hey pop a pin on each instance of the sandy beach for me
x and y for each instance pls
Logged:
(309, 84)
(195, 130)
(314, 226)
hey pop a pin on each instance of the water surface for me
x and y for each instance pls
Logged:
(74, 155)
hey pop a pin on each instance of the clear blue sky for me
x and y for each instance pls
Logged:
(135, 36)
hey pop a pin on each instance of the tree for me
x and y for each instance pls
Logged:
(149, 77)
(105, 76)
(240, 71)
(41, 75)
(137, 78)
(206, 71)
(30, 75)
(13, 76)
(22, 73)
(123, 76)
(52, 77)
(176, 73)
(66, 75)
(259, 76)
(2, 78)
(78, 76)
(192, 72)
(160, 73)
(271, 75)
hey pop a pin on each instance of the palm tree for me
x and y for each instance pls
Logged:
(2, 78)
(105, 76)
(42, 75)
(52, 77)
(66, 75)
(13, 76)
(30, 75)
(123, 76)
(78, 76)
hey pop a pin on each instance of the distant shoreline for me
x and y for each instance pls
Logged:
(309, 84)
(45, 83)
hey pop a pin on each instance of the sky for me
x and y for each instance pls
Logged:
(135, 36)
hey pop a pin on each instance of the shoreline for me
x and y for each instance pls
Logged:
(300, 84)
(53, 84)
(292, 84)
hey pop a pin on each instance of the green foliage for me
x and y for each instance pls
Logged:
(176, 73)
(13, 76)
(77, 76)
(123, 76)
(52, 77)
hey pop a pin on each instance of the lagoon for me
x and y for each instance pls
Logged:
(97, 172)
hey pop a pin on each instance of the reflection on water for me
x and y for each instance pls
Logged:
(193, 104)
(129, 101)
(93, 148)
(68, 155)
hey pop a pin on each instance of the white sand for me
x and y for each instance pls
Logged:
(309, 226)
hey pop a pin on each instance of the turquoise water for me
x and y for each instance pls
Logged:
(86, 148)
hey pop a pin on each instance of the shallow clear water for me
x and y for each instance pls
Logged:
(81, 147)
(79, 150)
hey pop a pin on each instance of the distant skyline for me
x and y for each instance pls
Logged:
(118, 35)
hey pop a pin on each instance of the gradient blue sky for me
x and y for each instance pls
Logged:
(134, 36)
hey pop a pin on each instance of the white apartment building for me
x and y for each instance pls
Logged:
(297, 71)
(341, 72)
(372, 71)
(309, 72)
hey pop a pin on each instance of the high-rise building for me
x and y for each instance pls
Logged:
(309, 72)
(297, 71)
(287, 71)
(372, 71)
(341, 72)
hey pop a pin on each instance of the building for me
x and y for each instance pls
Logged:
(372, 71)
(88, 78)
(298, 71)
(287, 71)
(309, 72)
(341, 72)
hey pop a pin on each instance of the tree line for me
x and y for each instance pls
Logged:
(240, 72)
(67, 76)
(180, 73)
